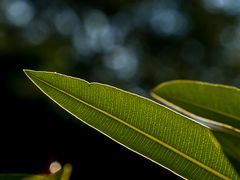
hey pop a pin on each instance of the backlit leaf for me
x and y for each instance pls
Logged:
(215, 105)
(165, 137)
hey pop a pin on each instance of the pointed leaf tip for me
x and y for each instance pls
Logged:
(139, 124)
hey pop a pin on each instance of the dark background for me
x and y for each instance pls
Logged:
(133, 45)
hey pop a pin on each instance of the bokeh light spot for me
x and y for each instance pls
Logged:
(169, 22)
(19, 13)
(66, 22)
(123, 61)
(55, 167)
(36, 32)
(230, 7)
(98, 30)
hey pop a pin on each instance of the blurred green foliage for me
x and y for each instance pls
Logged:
(127, 43)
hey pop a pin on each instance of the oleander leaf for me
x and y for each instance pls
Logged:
(215, 105)
(216, 102)
(165, 137)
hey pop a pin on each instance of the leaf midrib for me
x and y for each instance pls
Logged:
(131, 126)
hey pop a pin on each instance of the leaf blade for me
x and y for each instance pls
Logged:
(214, 105)
(121, 116)
(216, 102)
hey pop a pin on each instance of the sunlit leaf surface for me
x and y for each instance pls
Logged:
(212, 101)
(215, 105)
(179, 144)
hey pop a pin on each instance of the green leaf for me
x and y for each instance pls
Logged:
(215, 105)
(28, 177)
(175, 142)
(13, 176)
(219, 103)
(231, 146)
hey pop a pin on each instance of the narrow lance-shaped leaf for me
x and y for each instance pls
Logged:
(216, 102)
(145, 127)
(215, 105)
